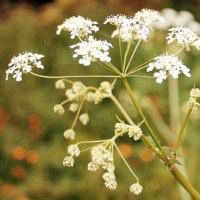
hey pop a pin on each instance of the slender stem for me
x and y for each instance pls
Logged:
(126, 163)
(119, 106)
(77, 114)
(133, 53)
(181, 132)
(137, 69)
(139, 110)
(140, 76)
(120, 47)
(65, 101)
(126, 54)
(71, 76)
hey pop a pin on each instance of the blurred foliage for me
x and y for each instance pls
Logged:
(32, 146)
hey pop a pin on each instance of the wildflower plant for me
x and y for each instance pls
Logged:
(130, 31)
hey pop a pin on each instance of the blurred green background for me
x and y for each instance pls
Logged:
(32, 146)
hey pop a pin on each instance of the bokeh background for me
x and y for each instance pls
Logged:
(32, 146)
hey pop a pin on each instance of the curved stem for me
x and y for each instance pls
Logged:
(181, 132)
(72, 76)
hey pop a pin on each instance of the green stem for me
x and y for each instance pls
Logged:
(139, 110)
(181, 132)
(131, 58)
(126, 54)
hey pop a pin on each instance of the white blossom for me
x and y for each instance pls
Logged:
(92, 50)
(78, 89)
(73, 150)
(121, 128)
(68, 161)
(135, 132)
(194, 97)
(73, 107)
(59, 109)
(183, 36)
(134, 28)
(110, 180)
(92, 166)
(136, 188)
(167, 65)
(22, 64)
(69, 134)
(84, 118)
(78, 27)
(101, 155)
(60, 84)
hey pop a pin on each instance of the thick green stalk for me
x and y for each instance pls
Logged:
(139, 110)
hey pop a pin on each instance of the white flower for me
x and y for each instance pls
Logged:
(92, 50)
(195, 93)
(73, 150)
(69, 134)
(194, 97)
(101, 156)
(121, 128)
(78, 27)
(84, 118)
(73, 107)
(135, 132)
(68, 161)
(143, 22)
(110, 180)
(78, 89)
(92, 166)
(23, 63)
(136, 188)
(58, 109)
(183, 36)
(134, 28)
(60, 84)
(167, 65)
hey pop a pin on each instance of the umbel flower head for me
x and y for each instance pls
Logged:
(92, 50)
(136, 27)
(183, 36)
(167, 65)
(78, 27)
(23, 63)
(194, 98)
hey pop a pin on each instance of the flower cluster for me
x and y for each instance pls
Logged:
(92, 50)
(104, 91)
(136, 27)
(194, 97)
(167, 65)
(102, 157)
(136, 188)
(73, 151)
(23, 63)
(184, 37)
(76, 95)
(133, 131)
(78, 27)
